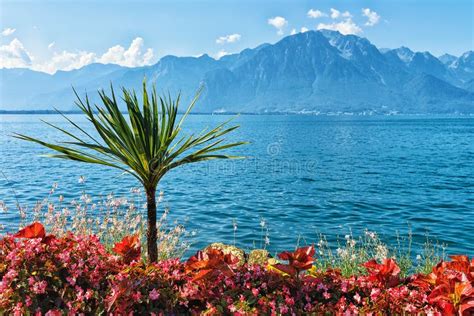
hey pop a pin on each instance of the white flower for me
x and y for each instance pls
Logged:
(3, 207)
(262, 223)
(86, 198)
(160, 197)
(82, 179)
(267, 240)
(381, 252)
(371, 234)
(342, 252)
(135, 190)
(418, 257)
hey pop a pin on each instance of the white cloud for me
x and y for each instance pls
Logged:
(372, 17)
(231, 38)
(344, 27)
(8, 31)
(316, 14)
(14, 55)
(221, 54)
(66, 61)
(51, 45)
(132, 57)
(302, 30)
(346, 14)
(335, 13)
(279, 23)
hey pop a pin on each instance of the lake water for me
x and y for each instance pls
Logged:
(305, 175)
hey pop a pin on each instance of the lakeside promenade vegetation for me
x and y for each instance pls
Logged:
(44, 274)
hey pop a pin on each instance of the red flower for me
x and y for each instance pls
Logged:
(299, 260)
(129, 248)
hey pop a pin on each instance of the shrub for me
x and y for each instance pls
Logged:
(45, 274)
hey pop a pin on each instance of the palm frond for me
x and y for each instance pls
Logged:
(147, 144)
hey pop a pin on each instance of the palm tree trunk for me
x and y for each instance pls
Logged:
(151, 236)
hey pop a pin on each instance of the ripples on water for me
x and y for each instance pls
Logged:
(305, 175)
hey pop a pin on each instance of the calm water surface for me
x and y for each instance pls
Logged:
(305, 175)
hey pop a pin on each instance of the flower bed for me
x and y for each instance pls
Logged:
(72, 274)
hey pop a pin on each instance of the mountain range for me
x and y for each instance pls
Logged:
(310, 72)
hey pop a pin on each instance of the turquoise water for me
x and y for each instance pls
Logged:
(305, 175)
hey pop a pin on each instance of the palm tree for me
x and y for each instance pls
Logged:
(146, 145)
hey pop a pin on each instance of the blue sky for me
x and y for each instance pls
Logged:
(51, 35)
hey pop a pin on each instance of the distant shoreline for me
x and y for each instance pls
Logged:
(80, 112)
(53, 112)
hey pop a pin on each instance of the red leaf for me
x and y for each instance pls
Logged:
(447, 308)
(285, 255)
(210, 263)
(35, 230)
(467, 308)
(299, 260)
(386, 273)
(129, 248)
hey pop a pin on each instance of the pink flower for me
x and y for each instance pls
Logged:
(326, 295)
(28, 301)
(89, 294)
(357, 298)
(31, 281)
(344, 286)
(284, 309)
(410, 308)
(71, 280)
(255, 292)
(39, 287)
(321, 286)
(374, 293)
(18, 309)
(137, 296)
(290, 301)
(154, 295)
(11, 274)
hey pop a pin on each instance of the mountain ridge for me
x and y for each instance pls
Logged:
(315, 71)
